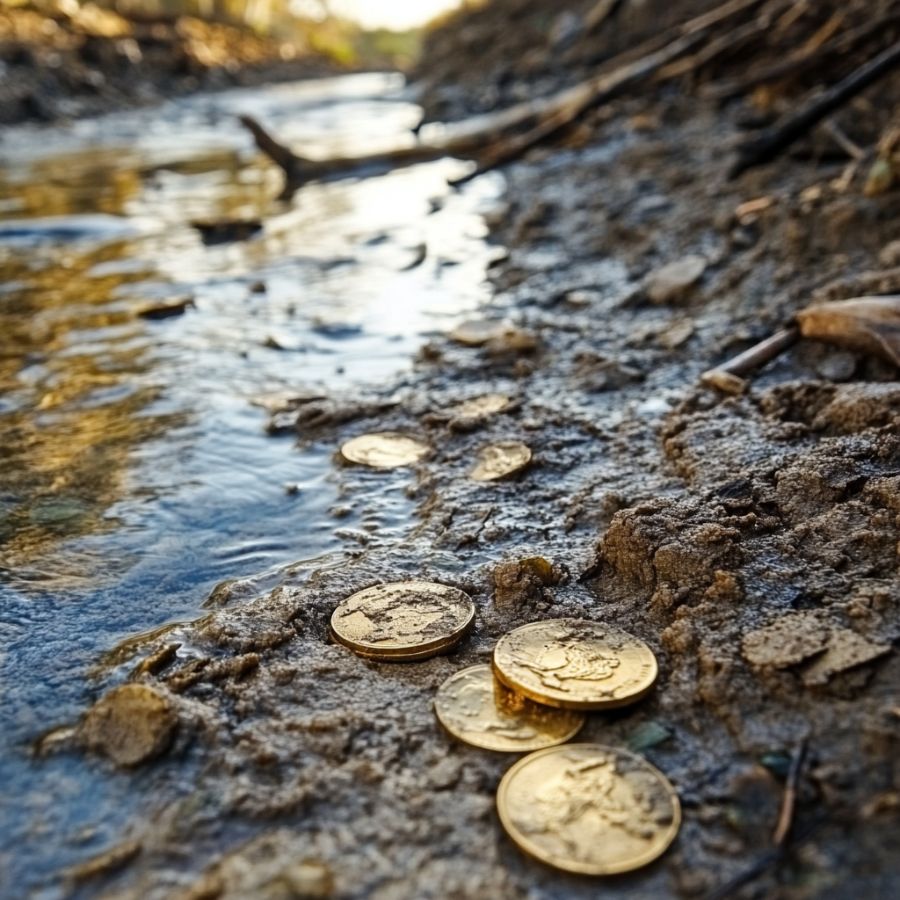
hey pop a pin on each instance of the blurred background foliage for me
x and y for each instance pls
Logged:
(299, 26)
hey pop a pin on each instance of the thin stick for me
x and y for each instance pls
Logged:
(758, 355)
(782, 832)
(592, 94)
(599, 13)
(547, 115)
(854, 151)
(789, 800)
(802, 60)
(770, 144)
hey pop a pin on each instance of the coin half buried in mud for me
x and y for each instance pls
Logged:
(575, 664)
(589, 809)
(474, 707)
(384, 450)
(500, 460)
(403, 621)
(481, 407)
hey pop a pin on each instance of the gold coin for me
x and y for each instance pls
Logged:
(384, 450)
(476, 708)
(589, 809)
(475, 332)
(403, 621)
(481, 407)
(407, 655)
(496, 461)
(575, 664)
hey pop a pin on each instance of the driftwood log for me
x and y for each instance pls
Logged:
(497, 138)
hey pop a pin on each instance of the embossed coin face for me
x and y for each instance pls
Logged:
(589, 809)
(481, 407)
(476, 708)
(384, 450)
(496, 461)
(402, 621)
(575, 664)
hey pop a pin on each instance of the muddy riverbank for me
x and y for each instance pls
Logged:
(751, 539)
(694, 520)
(64, 61)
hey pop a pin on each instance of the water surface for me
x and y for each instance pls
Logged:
(135, 472)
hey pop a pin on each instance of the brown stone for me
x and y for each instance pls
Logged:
(132, 724)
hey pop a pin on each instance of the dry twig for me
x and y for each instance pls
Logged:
(770, 143)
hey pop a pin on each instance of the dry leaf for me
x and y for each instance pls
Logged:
(869, 324)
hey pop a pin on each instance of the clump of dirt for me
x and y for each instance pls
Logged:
(131, 725)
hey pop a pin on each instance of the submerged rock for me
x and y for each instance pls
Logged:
(130, 725)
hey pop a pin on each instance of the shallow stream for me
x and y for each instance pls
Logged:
(136, 474)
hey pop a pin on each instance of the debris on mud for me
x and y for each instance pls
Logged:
(167, 310)
(675, 279)
(869, 324)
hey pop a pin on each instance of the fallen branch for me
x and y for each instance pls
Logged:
(582, 98)
(547, 115)
(773, 141)
(299, 170)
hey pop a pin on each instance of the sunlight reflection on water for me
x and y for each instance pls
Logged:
(136, 473)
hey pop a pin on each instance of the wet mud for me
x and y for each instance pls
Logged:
(751, 541)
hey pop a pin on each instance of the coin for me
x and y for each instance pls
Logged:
(475, 332)
(403, 621)
(575, 664)
(474, 707)
(496, 461)
(481, 407)
(384, 450)
(589, 809)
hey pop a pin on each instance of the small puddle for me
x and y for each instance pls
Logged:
(136, 473)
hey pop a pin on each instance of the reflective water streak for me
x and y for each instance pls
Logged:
(135, 472)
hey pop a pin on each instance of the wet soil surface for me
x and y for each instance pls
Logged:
(750, 540)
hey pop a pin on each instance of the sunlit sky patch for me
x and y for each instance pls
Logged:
(396, 14)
